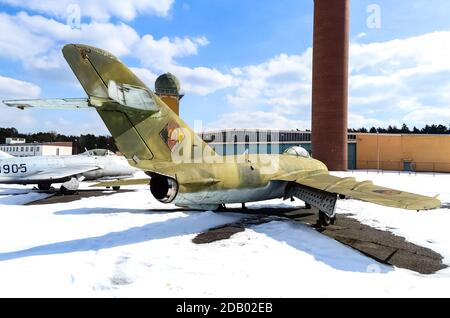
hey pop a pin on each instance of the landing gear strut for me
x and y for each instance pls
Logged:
(325, 220)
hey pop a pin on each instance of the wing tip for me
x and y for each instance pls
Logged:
(15, 104)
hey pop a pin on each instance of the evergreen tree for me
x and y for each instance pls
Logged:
(405, 129)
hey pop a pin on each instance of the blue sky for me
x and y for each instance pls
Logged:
(242, 64)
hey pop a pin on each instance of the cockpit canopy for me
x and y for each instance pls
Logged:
(98, 153)
(298, 152)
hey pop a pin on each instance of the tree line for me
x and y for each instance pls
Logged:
(80, 143)
(428, 129)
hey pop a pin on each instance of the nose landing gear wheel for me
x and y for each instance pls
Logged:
(44, 186)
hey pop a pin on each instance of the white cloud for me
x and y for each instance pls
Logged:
(361, 35)
(161, 53)
(357, 121)
(201, 80)
(400, 79)
(407, 79)
(416, 55)
(147, 76)
(99, 10)
(393, 81)
(11, 88)
(283, 82)
(36, 41)
(429, 115)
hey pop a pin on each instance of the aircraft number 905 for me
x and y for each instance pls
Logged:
(7, 169)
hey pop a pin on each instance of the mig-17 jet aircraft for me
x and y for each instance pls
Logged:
(68, 170)
(186, 171)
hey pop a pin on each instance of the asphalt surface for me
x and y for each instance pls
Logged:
(57, 197)
(382, 246)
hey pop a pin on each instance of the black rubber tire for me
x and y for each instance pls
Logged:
(221, 208)
(333, 220)
(324, 220)
(44, 186)
(116, 188)
(63, 190)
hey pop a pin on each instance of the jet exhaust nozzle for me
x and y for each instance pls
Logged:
(163, 188)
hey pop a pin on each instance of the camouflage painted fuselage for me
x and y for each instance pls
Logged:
(184, 169)
(243, 179)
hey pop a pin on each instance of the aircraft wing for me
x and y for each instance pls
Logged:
(60, 173)
(367, 191)
(55, 103)
(4, 155)
(123, 182)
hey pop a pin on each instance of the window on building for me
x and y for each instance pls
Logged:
(26, 149)
(235, 138)
(21, 149)
(247, 139)
(37, 148)
(57, 151)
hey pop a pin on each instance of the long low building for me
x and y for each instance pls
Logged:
(396, 152)
(17, 147)
(239, 141)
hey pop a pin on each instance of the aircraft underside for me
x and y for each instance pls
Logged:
(211, 200)
(323, 201)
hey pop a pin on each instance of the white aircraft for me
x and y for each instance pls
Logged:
(68, 170)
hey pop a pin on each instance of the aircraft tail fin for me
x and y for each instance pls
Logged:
(143, 126)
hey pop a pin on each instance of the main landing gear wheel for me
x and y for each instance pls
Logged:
(66, 191)
(325, 220)
(221, 208)
(116, 188)
(44, 186)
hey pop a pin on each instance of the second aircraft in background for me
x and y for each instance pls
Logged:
(98, 164)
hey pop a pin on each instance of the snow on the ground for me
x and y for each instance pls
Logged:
(425, 228)
(16, 194)
(130, 245)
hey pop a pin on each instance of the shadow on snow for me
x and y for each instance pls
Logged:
(298, 236)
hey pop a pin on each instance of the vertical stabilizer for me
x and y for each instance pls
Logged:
(143, 126)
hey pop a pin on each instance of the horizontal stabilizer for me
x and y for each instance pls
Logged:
(54, 103)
